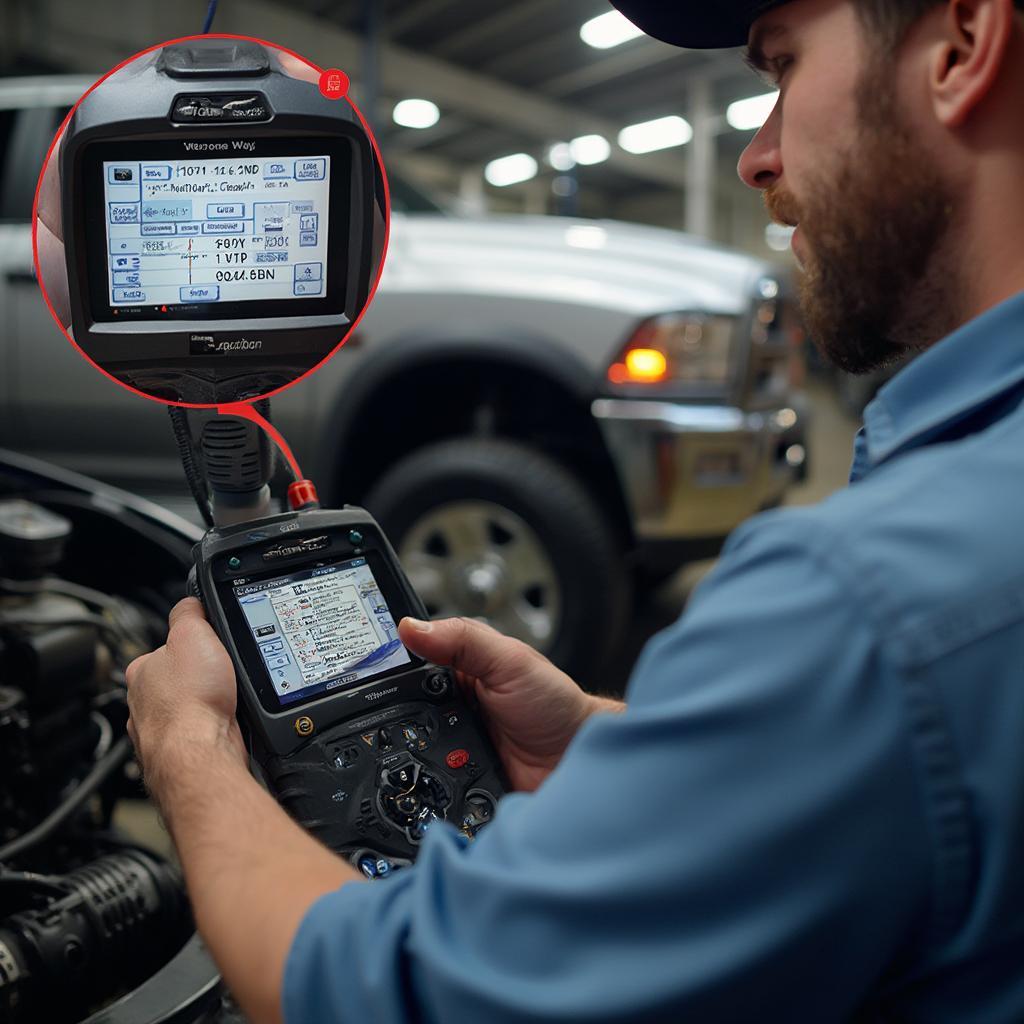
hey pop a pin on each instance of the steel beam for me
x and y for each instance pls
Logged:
(67, 23)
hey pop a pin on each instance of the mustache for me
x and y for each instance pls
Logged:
(781, 206)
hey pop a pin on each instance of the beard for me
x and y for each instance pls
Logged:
(876, 281)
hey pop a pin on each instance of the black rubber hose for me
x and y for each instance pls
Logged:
(103, 769)
(196, 483)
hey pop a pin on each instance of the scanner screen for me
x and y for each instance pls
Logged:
(229, 229)
(320, 629)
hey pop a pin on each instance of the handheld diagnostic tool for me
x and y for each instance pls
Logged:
(218, 222)
(364, 744)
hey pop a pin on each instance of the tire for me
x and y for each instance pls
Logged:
(495, 530)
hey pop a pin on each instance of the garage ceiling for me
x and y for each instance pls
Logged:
(508, 77)
(534, 45)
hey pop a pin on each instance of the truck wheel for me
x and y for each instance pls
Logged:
(496, 531)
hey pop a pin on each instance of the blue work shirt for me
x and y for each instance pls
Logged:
(813, 808)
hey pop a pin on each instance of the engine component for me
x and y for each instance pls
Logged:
(97, 931)
(32, 538)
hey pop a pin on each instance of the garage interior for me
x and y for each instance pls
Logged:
(492, 113)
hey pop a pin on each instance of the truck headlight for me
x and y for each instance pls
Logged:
(677, 349)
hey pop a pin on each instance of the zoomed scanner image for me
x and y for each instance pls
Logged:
(222, 221)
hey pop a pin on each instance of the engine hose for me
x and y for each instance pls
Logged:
(186, 451)
(103, 769)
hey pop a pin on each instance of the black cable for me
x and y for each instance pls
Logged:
(210, 12)
(30, 880)
(196, 483)
(109, 629)
(103, 769)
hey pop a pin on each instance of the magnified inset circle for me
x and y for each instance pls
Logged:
(211, 220)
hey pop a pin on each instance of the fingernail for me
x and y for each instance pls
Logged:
(419, 624)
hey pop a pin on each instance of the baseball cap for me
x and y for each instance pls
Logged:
(700, 26)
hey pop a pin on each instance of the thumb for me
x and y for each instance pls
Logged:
(188, 629)
(188, 609)
(464, 644)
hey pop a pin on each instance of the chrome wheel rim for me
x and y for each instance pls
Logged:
(481, 560)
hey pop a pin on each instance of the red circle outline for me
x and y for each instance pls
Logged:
(46, 162)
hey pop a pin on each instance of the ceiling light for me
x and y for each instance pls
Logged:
(661, 133)
(416, 113)
(608, 30)
(590, 149)
(560, 157)
(510, 170)
(744, 115)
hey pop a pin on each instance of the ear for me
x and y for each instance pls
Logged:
(975, 40)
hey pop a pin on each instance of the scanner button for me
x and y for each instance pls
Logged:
(199, 293)
(457, 758)
(436, 685)
(310, 169)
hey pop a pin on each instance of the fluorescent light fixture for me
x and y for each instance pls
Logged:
(511, 170)
(560, 157)
(590, 149)
(608, 30)
(744, 115)
(661, 133)
(416, 113)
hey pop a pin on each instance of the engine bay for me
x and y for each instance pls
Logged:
(94, 920)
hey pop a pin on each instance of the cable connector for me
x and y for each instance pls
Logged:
(302, 496)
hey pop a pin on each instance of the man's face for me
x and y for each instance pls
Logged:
(838, 158)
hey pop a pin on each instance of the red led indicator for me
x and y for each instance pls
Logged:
(457, 758)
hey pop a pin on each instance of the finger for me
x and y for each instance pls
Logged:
(49, 193)
(295, 67)
(469, 646)
(189, 632)
(188, 609)
(53, 271)
(131, 673)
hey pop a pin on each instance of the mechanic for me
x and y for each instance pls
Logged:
(812, 807)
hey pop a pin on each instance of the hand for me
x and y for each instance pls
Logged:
(182, 697)
(533, 709)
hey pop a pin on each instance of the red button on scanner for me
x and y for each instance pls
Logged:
(457, 758)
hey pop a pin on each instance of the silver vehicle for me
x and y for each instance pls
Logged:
(539, 410)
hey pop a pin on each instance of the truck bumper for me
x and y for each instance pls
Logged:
(692, 473)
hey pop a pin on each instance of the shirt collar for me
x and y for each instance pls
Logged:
(975, 364)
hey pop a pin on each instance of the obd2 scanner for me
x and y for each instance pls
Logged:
(218, 222)
(362, 742)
